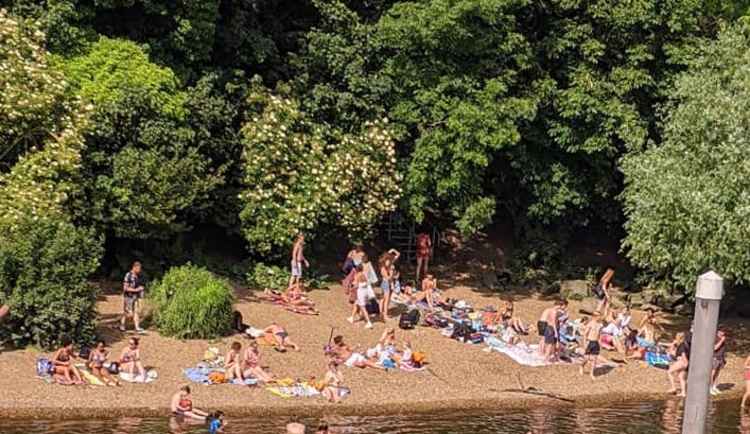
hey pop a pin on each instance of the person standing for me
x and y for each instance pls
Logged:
(424, 252)
(601, 291)
(746, 377)
(387, 270)
(298, 258)
(132, 292)
(719, 360)
(591, 335)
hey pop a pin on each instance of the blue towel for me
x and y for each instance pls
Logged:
(658, 360)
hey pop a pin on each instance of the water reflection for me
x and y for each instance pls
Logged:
(638, 417)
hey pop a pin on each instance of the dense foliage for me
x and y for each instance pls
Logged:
(192, 303)
(687, 200)
(134, 123)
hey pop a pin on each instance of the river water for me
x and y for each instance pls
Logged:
(647, 417)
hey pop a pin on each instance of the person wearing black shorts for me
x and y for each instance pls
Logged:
(591, 335)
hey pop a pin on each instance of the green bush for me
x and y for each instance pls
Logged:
(44, 265)
(192, 303)
(268, 276)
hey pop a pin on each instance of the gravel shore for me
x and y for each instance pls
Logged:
(461, 376)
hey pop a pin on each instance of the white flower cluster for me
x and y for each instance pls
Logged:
(300, 175)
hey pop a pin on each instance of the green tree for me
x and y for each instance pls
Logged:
(686, 200)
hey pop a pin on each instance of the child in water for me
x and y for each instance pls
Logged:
(216, 422)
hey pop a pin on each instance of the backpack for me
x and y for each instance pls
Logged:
(435, 321)
(114, 368)
(372, 306)
(237, 322)
(44, 367)
(409, 320)
(461, 332)
(84, 353)
(476, 338)
(418, 358)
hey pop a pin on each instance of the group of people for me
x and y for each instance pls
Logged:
(64, 368)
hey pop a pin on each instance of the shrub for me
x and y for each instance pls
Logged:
(43, 269)
(192, 303)
(263, 276)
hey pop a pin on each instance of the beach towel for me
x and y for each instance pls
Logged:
(297, 390)
(527, 355)
(151, 376)
(89, 377)
(201, 374)
(278, 300)
(657, 360)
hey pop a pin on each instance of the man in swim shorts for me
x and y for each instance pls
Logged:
(298, 258)
(591, 334)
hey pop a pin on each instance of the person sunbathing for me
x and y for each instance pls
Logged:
(351, 359)
(182, 405)
(512, 321)
(386, 347)
(233, 362)
(65, 371)
(280, 337)
(130, 359)
(333, 382)
(96, 361)
(251, 364)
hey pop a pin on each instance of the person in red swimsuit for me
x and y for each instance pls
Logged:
(424, 251)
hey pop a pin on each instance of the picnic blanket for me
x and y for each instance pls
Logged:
(297, 390)
(657, 360)
(151, 376)
(200, 375)
(527, 355)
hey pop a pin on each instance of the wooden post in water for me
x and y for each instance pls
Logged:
(708, 293)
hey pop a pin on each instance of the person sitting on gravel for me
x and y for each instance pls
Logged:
(130, 359)
(333, 383)
(65, 371)
(280, 337)
(386, 348)
(509, 320)
(251, 364)
(233, 362)
(350, 358)
(95, 363)
(182, 405)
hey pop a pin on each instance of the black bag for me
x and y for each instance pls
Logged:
(461, 331)
(114, 368)
(598, 291)
(409, 320)
(237, 322)
(84, 353)
(372, 307)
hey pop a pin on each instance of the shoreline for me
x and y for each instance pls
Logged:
(513, 401)
(462, 377)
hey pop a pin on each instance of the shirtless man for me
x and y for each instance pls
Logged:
(280, 337)
(298, 258)
(351, 358)
(182, 405)
(591, 335)
(547, 328)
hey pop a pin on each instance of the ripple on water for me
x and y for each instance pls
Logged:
(647, 417)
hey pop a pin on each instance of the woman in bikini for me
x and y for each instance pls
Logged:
(96, 361)
(333, 382)
(251, 364)
(351, 358)
(233, 362)
(746, 377)
(65, 371)
(280, 337)
(182, 405)
(364, 293)
(680, 352)
(387, 270)
(130, 359)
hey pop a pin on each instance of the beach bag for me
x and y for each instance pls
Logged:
(476, 338)
(114, 368)
(372, 307)
(409, 320)
(84, 353)
(238, 322)
(461, 332)
(418, 358)
(436, 321)
(43, 367)
(217, 377)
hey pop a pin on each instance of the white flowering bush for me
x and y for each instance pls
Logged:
(33, 100)
(300, 175)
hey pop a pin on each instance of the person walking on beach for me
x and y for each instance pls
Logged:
(132, 292)
(591, 334)
(424, 252)
(298, 258)
(182, 405)
(746, 377)
(679, 350)
(719, 360)
(601, 291)
(364, 294)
